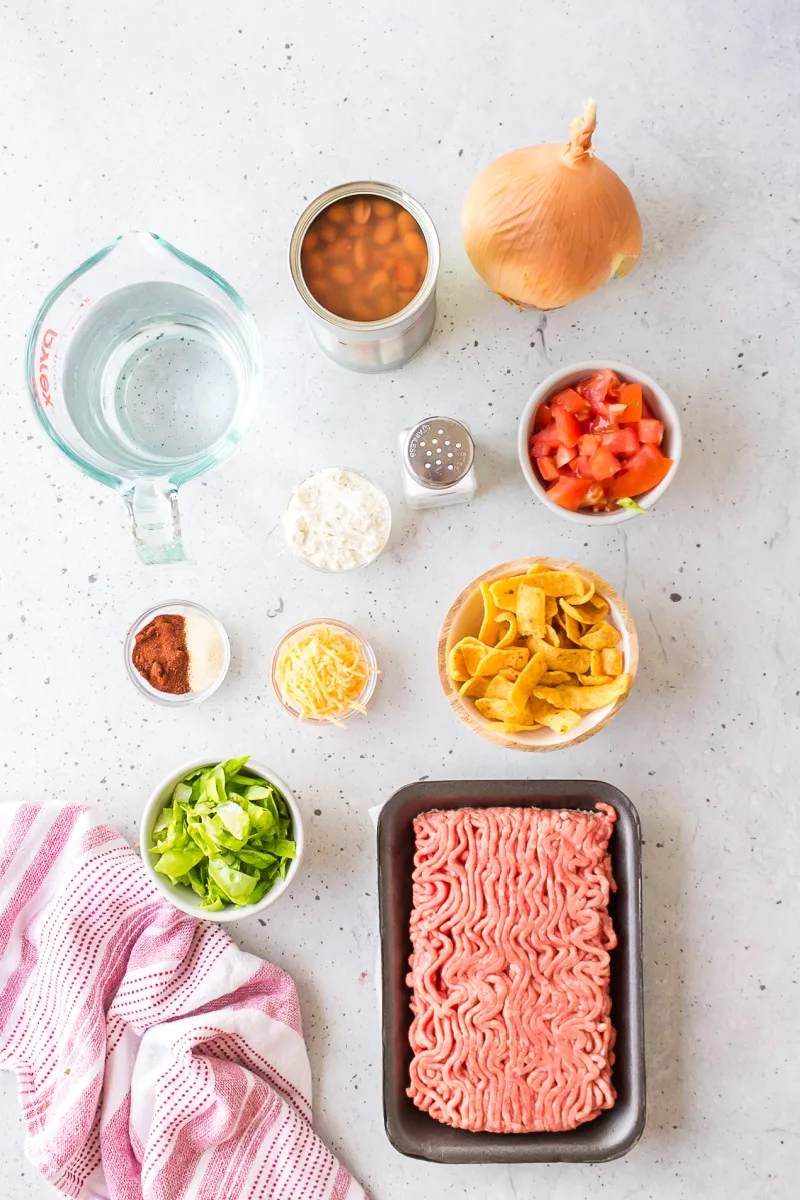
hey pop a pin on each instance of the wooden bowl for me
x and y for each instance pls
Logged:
(464, 620)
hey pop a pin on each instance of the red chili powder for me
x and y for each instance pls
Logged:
(160, 654)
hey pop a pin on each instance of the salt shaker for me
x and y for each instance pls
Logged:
(437, 459)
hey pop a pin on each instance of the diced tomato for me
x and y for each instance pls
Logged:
(603, 464)
(630, 394)
(650, 431)
(581, 467)
(545, 441)
(620, 441)
(600, 390)
(596, 498)
(570, 400)
(597, 386)
(568, 428)
(643, 472)
(598, 441)
(601, 424)
(569, 492)
(547, 468)
(543, 418)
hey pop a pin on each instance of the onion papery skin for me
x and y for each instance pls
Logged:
(545, 228)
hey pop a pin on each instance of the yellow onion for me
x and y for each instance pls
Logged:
(548, 224)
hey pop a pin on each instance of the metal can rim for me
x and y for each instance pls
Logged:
(368, 188)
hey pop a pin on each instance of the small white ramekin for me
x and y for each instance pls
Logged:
(184, 898)
(659, 402)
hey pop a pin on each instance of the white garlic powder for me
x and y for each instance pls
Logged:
(337, 520)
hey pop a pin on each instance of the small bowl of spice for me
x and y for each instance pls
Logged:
(337, 520)
(177, 653)
(324, 672)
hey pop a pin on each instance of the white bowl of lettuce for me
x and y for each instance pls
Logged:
(222, 840)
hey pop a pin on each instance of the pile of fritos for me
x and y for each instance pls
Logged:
(544, 655)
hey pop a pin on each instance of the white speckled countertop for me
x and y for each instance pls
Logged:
(212, 124)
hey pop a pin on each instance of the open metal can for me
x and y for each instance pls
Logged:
(370, 345)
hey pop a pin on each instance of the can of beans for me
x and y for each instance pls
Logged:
(365, 259)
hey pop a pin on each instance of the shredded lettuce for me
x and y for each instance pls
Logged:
(629, 502)
(224, 834)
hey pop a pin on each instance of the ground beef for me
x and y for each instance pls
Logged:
(510, 932)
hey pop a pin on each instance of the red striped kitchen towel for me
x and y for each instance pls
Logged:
(154, 1058)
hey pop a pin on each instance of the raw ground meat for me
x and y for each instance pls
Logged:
(510, 968)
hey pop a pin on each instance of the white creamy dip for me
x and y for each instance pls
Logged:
(337, 520)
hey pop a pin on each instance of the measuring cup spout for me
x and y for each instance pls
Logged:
(152, 506)
(142, 254)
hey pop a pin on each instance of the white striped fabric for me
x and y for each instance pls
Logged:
(155, 1060)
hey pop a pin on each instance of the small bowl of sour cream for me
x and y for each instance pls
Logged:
(337, 520)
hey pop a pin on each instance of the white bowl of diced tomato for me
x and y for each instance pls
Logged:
(599, 442)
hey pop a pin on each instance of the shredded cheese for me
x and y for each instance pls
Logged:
(321, 672)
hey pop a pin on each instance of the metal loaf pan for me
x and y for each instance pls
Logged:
(412, 1131)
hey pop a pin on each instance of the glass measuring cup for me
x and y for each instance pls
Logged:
(144, 367)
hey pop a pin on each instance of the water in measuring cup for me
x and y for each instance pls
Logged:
(154, 376)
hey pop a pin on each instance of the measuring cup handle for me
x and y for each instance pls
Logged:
(152, 506)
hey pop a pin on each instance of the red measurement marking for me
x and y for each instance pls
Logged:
(50, 336)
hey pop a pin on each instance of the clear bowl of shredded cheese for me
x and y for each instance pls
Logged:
(324, 672)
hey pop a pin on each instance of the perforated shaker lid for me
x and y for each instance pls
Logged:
(438, 452)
